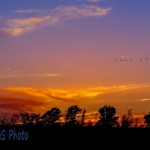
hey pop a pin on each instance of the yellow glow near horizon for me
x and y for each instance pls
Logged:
(122, 97)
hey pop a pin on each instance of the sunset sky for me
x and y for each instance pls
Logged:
(57, 53)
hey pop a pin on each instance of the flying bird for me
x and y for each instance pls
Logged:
(128, 58)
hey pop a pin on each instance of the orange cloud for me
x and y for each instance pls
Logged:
(75, 94)
(42, 99)
(144, 99)
(19, 26)
(19, 105)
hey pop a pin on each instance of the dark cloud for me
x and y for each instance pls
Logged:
(21, 105)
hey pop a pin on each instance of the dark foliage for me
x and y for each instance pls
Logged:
(108, 117)
(51, 117)
(70, 118)
(127, 120)
(147, 119)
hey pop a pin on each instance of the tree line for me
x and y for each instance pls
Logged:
(76, 117)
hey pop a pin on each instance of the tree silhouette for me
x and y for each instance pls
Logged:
(14, 119)
(74, 117)
(34, 118)
(51, 117)
(70, 118)
(136, 123)
(127, 120)
(4, 121)
(25, 118)
(83, 118)
(29, 118)
(107, 117)
(147, 119)
(89, 123)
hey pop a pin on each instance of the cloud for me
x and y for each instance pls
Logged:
(58, 94)
(21, 99)
(18, 74)
(12, 101)
(94, 1)
(75, 94)
(28, 11)
(52, 75)
(111, 89)
(16, 105)
(41, 99)
(144, 99)
(9, 73)
(19, 26)
(8, 76)
(58, 15)
(72, 12)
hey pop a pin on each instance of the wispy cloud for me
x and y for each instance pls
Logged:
(51, 75)
(58, 94)
(28, 11)
(8, 76)
(58, 15)
(144, 99)
(19, 26)
(117, 88)
(72, 12)
(41, 99)
(9, 105)
(76, 94)
(94, 1)
(18, 74)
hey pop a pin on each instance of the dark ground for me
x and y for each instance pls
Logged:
(79, 138)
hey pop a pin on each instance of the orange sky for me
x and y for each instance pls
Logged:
(39, 100)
